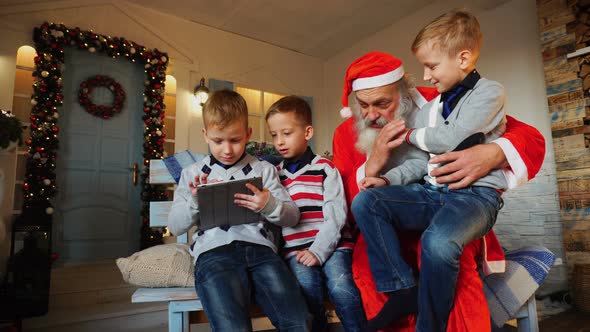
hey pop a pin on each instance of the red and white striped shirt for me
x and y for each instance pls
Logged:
(317, 189)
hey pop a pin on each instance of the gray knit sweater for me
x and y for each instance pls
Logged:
(481, 109)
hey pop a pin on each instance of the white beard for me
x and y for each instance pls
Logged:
(366, 138)
(367, 133)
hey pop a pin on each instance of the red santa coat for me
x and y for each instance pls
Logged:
(524, 147)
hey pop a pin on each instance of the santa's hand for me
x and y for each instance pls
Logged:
(390, 137)
(255, 202)
(466, 166)
(199, 180)
(307, 258)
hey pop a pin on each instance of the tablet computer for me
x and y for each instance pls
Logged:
(217, 207)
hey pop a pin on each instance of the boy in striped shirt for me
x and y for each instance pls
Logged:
(318, 248)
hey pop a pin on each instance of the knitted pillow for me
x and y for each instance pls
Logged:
(165, 265)
(507, 292)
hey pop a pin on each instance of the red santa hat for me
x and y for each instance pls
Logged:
(371, 70)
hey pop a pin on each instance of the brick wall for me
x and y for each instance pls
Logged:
(531, 215)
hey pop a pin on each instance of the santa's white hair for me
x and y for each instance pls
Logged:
(366, 133)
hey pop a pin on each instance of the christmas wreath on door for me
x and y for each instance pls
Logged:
(103, 111)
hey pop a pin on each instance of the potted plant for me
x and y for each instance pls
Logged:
(11, 130)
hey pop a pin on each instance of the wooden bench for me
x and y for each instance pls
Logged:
(526, 317)
(184, 306)
(181, 301)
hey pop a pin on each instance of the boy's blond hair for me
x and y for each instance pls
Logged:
(451, 33)
(291, 104)
(223, 108)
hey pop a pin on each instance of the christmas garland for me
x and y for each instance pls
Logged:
(50, 40)
(102, 111)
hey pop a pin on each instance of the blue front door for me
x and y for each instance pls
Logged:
(97, 206)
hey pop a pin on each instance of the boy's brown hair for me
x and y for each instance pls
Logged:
(293, 104)
(451, 33)
(223, 108)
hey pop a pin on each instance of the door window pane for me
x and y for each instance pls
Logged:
(252, 98)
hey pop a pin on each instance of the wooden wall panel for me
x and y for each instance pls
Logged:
(565, 28)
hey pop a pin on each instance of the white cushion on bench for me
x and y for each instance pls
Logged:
(166, 265)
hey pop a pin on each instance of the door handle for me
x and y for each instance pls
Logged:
(135, 170)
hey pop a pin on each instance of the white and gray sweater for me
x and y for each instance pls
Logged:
(279, 210)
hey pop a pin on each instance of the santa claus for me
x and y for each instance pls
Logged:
(383, 92)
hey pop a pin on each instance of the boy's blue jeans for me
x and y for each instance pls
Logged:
(226, 278)
(450, 220)
(335, 276)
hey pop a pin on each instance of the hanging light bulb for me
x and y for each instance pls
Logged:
(201, 94)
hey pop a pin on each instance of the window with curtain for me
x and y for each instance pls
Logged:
(170, 118)
(258, 103)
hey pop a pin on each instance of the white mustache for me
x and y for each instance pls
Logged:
(378, 123)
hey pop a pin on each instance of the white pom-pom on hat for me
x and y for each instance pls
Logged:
(346, 112)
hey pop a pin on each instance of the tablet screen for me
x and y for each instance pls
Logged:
(217, 207)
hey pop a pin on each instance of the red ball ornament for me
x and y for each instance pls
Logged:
(25, 186)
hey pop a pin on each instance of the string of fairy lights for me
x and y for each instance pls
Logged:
(50, 40)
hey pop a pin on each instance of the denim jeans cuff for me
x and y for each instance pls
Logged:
(392, 286)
